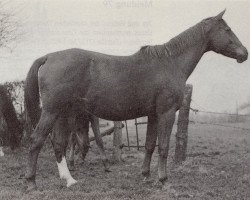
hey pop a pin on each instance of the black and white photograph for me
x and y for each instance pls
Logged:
(124, 99)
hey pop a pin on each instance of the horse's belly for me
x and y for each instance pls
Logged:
(119, 110)
(118, 115)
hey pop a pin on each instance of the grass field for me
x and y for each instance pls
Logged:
(217, 167)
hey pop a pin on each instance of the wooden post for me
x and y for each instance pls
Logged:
(127, 134)
(137, 135)
(117, 141)
(182, 126)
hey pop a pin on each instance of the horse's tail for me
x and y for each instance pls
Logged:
(31, 92)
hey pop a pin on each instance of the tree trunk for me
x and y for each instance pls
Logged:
(182, 126)
(117, 141)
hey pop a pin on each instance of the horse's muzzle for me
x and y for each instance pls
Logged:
(242, 54)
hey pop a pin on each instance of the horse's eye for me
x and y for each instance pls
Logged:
(227, 29)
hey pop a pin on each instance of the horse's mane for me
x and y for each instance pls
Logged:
(177, 44)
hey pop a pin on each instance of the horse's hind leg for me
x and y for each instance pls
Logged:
(38, 137)
(82, 135)
(99, 142)
(1, 133)
(151, 138)
(72, 144)
(60, 141)
(1, 145)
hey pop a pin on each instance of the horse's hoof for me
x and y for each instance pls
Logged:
(31, 187)
(145, 174)
(72, 168)
(164, 180)
(21, 176)
(107, 170)
(106, 165)
(166, 186)
(71, 182)
(145, 179)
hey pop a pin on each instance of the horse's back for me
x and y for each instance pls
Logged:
(72, 65)
(68, 60)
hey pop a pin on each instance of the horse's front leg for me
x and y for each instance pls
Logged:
(59, 141)
(164, 129)
(150, 144)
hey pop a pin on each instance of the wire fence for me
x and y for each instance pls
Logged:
(223, 125)
(195, 111)
(218, 113)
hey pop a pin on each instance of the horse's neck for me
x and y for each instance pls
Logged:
(190, 57)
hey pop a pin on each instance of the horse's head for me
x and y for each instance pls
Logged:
(221, 39)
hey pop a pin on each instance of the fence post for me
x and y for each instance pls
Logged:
(127, 134)
(182, 126)
(137, 136)
(117, 141)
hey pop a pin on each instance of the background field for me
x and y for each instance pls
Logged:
(217, 167)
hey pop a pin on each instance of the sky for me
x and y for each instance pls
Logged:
(121, 27)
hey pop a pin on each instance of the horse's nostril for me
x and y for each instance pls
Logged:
(242, 52)
(245, 50)
(246, 53)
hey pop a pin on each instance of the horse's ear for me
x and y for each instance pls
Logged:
(220, 15)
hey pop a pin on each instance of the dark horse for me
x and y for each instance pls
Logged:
(147, 83)
(8, 113)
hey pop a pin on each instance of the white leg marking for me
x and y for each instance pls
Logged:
(65, 173)
(1, 152)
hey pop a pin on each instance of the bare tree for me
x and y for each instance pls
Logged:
(9, 25)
